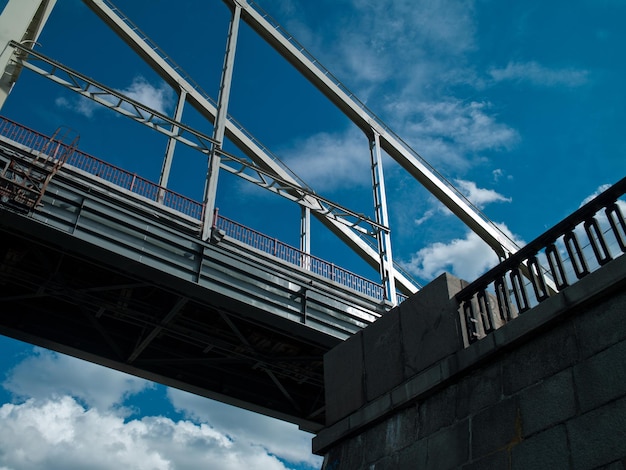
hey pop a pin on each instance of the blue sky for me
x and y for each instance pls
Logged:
(520, 104)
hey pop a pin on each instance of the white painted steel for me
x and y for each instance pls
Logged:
(210, 191)
(21, 21)
(382, 217)
(171, 143)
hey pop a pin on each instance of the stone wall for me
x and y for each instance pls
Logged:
(545, 391)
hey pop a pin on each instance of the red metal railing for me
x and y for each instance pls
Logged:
(90, 164)
(292, 255)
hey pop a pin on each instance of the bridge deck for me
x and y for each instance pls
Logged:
(107, 275)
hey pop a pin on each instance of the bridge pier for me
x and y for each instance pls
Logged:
(546, 390)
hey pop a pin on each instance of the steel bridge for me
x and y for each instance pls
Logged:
(118, 270)
(100, 270)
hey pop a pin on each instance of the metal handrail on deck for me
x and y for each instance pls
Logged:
(108, 172)
(297, 257)
(589, 238)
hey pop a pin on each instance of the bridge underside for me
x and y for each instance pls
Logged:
(92, 270)
(71, 301)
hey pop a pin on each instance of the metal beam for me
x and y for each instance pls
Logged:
(21, 21)
(271, 374)
(210, 190)
(112, 99)
(382, 217)
(171, 144)
(265, 178)
(173, 313)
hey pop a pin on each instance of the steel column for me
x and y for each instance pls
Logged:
(171, 144)
(305, 230)
(21, 21)
(210, 192)
(382, 217)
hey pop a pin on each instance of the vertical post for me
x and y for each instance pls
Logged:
(305, 236)
(382, 217)
(171, 145)
(210, 190)
(21, 21)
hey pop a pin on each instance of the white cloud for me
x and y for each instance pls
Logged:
(595, 194)
(539, 75)
(327, 161)
(465, 123)
(409, 30)
(449, 131)
(479, 196)
(46, 374)
(277, 437)
(407, 44)
(79, 104)
(427, 216)
(61, 434)
(499, 173)
(466, 258)
(69, 412)
(159, 98)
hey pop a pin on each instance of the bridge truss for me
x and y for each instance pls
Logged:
(258, 165)
(211, 347)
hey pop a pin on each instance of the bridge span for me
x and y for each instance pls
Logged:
(93, 266)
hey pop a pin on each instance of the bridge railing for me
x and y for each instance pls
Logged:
(294, 256)
(589, 238)
(92, 165)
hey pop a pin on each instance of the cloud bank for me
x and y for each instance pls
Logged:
(71, 414)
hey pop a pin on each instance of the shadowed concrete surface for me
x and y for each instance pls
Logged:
(546, 390)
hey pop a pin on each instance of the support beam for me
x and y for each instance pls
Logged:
(382, 217)
(171, 144)
(173, 313)
(197, 98)
(305, 230)
(21, 21)
(210, 190)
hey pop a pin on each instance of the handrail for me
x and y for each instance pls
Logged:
(143, 187)
(578, 245)
(90, 164)
(297, 257)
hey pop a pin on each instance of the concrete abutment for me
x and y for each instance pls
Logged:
(546, 390)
